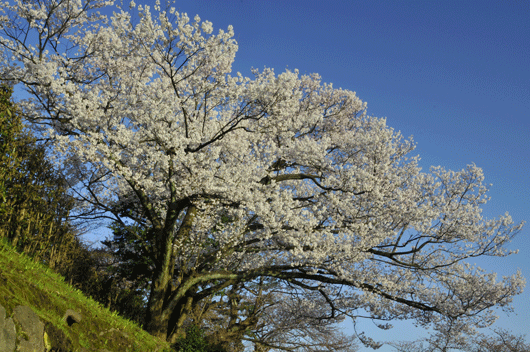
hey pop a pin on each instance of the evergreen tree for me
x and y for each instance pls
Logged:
(34, 205)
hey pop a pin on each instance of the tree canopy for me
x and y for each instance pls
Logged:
(237, 179)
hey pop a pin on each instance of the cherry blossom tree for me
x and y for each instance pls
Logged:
(277, 176)
(450, 339)
(500, 340)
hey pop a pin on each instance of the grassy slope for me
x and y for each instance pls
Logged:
(24, 282)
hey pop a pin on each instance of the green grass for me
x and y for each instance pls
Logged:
(25, 282)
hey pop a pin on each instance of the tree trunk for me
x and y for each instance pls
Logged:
(166, 312)
(160, 307)
(176, 324)
(157, 319)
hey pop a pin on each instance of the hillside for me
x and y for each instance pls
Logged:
(71, 321)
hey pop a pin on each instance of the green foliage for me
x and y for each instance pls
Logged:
(34, 207)
(193, 342)
(196, 341)
(131, 248)
(96, 274)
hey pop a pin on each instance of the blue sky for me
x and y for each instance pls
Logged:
(453, 74)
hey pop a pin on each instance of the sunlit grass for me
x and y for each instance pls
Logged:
(26, 282)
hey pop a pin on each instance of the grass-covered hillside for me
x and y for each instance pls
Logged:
(23, 282)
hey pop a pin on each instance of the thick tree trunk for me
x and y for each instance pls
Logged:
(181, 312)
(166, 313)
(162, 304)
(156, 325)
(157, 319)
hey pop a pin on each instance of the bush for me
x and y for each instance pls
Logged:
(196, 341)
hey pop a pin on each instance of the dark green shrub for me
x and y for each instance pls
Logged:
(195, 341)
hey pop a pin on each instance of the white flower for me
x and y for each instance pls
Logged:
(207, 27)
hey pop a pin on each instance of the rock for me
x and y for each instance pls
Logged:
(32, 330)
(8, 334)
(33, 335)
(71, 317)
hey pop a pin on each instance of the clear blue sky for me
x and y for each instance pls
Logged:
(454, 74)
